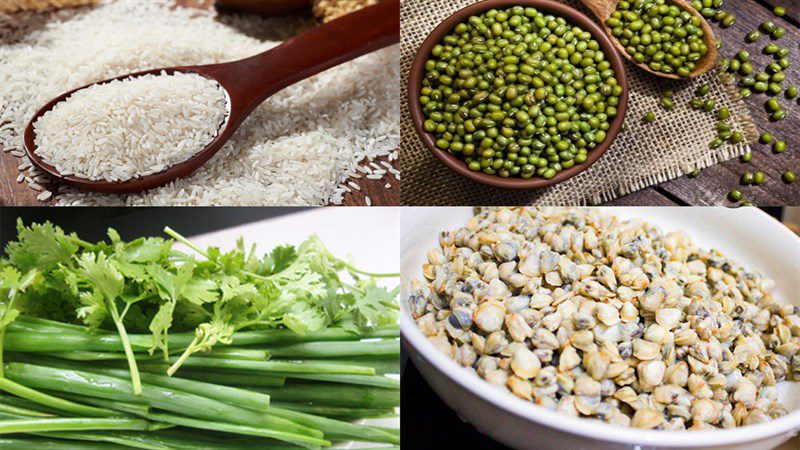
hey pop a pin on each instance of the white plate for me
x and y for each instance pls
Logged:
(745, 234)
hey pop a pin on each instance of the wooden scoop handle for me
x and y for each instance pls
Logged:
(250, 81)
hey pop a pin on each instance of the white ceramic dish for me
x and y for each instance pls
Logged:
(745, 234)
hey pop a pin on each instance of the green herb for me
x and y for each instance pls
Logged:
(147, 285)
(95, 332)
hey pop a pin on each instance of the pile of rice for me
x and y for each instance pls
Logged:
(132, 127)
(301, 147)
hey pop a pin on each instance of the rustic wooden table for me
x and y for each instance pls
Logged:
(18, 194)
(714, 183)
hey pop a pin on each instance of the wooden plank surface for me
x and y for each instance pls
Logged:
(645, 197)
(714, 183)
(14, 194)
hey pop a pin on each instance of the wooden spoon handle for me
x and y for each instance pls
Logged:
(602, 9)
(250, 81)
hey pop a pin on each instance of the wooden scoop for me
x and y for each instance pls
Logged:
(602, 9)
(248, 83)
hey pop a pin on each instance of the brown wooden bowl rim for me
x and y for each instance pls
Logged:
(138, 184)
(458, 165)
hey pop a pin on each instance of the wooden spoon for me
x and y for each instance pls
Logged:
(602, 9)
(248, 83)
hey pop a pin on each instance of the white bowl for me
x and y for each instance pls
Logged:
(745, 234)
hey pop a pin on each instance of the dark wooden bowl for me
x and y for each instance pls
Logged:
(558, 9)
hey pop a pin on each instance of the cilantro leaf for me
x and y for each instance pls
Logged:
(279, 259)
(376, 307)
(40, 246)
(101, 274)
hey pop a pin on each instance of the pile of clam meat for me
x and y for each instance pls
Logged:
(593, 316)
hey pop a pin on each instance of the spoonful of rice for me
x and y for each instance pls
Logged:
(143, 130)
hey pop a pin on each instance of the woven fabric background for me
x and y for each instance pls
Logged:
(642, 155)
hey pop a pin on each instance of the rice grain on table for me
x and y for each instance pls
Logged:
(133, 127)
(298, 148)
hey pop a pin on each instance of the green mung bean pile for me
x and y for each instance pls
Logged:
(664, 37)
(518, 93)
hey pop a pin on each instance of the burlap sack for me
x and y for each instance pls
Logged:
(642, 155)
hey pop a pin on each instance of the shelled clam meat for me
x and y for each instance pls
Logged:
(594, 316)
